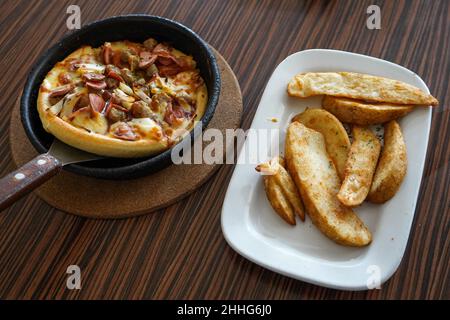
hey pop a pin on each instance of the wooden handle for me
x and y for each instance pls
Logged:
(28, 177)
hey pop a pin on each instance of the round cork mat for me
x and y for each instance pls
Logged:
(109, 199)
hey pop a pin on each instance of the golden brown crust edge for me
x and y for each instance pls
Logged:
(96, 143)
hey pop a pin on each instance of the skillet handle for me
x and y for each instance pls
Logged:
(31, 175)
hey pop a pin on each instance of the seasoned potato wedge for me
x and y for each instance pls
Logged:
(360, 168)
(281, 190)
(315, 175)
(364, 113)
(290, 191)
(278, 201)
(357, 86)
(336, 138)
(391, 169)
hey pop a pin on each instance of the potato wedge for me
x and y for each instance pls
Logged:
(316, 178)
(364, 113)
(290, 191)
(357, 86)
(281, 190)
(336, 138)
(360, 167)
(391, 169)
(278, 201)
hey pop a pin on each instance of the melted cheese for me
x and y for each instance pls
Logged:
(96, 122)
(147, 127)
(70, 101)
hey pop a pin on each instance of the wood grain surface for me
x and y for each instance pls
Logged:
(180, 252)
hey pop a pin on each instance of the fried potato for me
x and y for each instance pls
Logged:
(336, 138)
(315, 176)
(360, 168)
(281, 190)
(357, 86)
(391, 169)
(364, 113)
(278, 201)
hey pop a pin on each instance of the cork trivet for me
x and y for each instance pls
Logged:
(106, 199)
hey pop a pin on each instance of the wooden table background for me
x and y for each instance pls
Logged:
(179, 252)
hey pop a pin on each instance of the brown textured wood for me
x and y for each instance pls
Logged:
(181, 253)
(26, 178)
(97, 198)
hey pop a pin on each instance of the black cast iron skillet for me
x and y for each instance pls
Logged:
(129, 27)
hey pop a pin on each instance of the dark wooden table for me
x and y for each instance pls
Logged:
(179, 252)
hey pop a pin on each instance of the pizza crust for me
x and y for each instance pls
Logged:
(96, 143)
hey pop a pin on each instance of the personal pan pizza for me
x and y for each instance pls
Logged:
(123, 99)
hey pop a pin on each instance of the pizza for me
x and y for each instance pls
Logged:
(123, 99)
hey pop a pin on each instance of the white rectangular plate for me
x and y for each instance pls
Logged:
(253, 229)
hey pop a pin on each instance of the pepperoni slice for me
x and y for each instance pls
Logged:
(162, 50)
(125, 132)
(107, 51)
(64, 78)
(97, 102)
(165, 61)
(116, 58)
(174, 115)
(78, 111)
(147, 59)
(119, 107)
(114, 75)
(170, 70)
(90, 76)
(96, 85)
(111, 105)
(166, 58)
(60, 91)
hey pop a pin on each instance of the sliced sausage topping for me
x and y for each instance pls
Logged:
(60, 91)
(107, 53)
(147, 59)
(64, 78)
(90, 76)
(124, 131)
(97, 102)
(96, 85)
